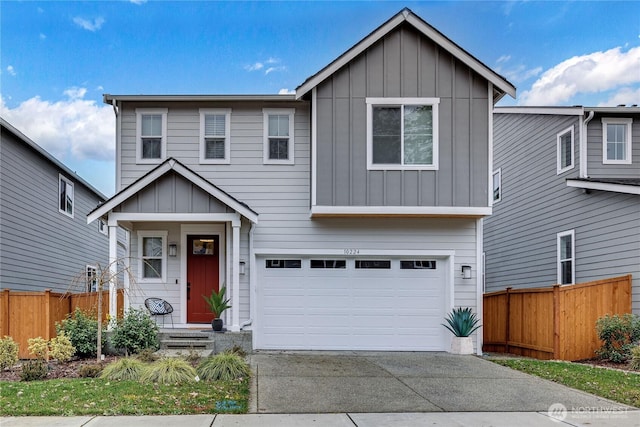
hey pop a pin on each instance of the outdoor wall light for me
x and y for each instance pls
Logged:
(173, 249)
(242, 267)
(466, 272)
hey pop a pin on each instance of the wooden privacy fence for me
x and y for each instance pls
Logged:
(25, 315)
(552, 323)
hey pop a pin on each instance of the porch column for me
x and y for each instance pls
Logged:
(113, 270)
(235, 279)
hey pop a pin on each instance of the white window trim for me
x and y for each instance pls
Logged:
(163, 142)
(560, 167)
(69, 183)
(559, 237)
(371, 102)
(95, 277)
(616, 121)
(163, 274)
(499, 173)
(227, 136)
(265, 141)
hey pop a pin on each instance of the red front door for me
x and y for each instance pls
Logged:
(203, 276)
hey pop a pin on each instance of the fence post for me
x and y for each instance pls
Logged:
(5, 313)
(507, 326)
(556, 322)
(47, 313)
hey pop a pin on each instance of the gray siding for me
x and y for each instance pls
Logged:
(595, 167)
(403, 64)
(520, 237)
(41, 248)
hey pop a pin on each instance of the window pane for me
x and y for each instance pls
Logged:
(152, 246)
(63, 195)
(565, 150)
(283, 263)
(278, 125)
(616, 141)
(214, 125)
(328, 263)
(214, 148)
(566, 251)
(69, 198)
(386, 135)
(417, 265)
(373, 264)
(418, 135)
(565, 274)
(278, 149)
(152, 125)
(496, 186)
(152, 268)
(151, 148)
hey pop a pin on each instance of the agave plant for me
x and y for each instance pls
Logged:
(462, 322)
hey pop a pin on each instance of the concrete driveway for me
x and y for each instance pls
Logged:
(381, 382)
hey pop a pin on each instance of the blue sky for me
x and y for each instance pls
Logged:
(57, 58)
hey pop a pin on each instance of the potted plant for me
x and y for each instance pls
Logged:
(462, 322)
(217, 304)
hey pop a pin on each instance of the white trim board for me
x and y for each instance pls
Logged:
(604, 186)
(426, 211)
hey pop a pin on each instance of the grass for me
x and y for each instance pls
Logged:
(93, 396)
(619, 386)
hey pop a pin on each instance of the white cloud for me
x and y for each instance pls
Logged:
(591, 73)
(11, 70)
(254, 67)
(625, 96)
(72, 127)
(285, 91)
(89, 25)
(138, 2)
(515, 73)
(272, 69)
(43, 36)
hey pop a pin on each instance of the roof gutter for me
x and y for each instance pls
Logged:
(583, 143)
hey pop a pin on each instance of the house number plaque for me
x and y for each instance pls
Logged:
(352, 251)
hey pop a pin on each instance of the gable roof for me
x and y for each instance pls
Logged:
(162, 169)
(5, 125)
(501, 85)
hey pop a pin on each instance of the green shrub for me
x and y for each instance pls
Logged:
(124, 369)
(92, 370)
(635, 358)
(147, 355)
(619, 335)
(39, 347)
(34, 370)
(82, 330)
(169, 370)
(224, 366)
(8, 352)
(61, 349)
(135, 332)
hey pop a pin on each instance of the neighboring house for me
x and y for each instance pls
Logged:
(45, 241)
(340, 217)
(566, 197)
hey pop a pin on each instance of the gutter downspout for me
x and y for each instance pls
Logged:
(583, 144)
(252, 283)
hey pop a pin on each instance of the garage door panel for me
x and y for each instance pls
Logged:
(358, 309)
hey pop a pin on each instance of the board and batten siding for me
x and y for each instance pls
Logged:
(40, 247)
(403, 64)
(595, 167)
(520, 238)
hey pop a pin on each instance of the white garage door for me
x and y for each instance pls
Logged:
(333, 303)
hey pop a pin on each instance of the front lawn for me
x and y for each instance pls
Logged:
(71, 397)
(619, 386)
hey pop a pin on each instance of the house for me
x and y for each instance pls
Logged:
(339, 217)
(45, 241)
(566, 197)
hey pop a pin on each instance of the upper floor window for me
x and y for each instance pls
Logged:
(402, 133)
(497, 185)
(152, 255)
(616, 141)
(214, 136)
(102, 227)
(278, 136)
(151, 135)
(566, 257)
(65, 193)
(565, 148)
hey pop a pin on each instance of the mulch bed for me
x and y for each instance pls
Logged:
(56, 369)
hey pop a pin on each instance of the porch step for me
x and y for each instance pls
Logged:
(184, 353)
(186, 340)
